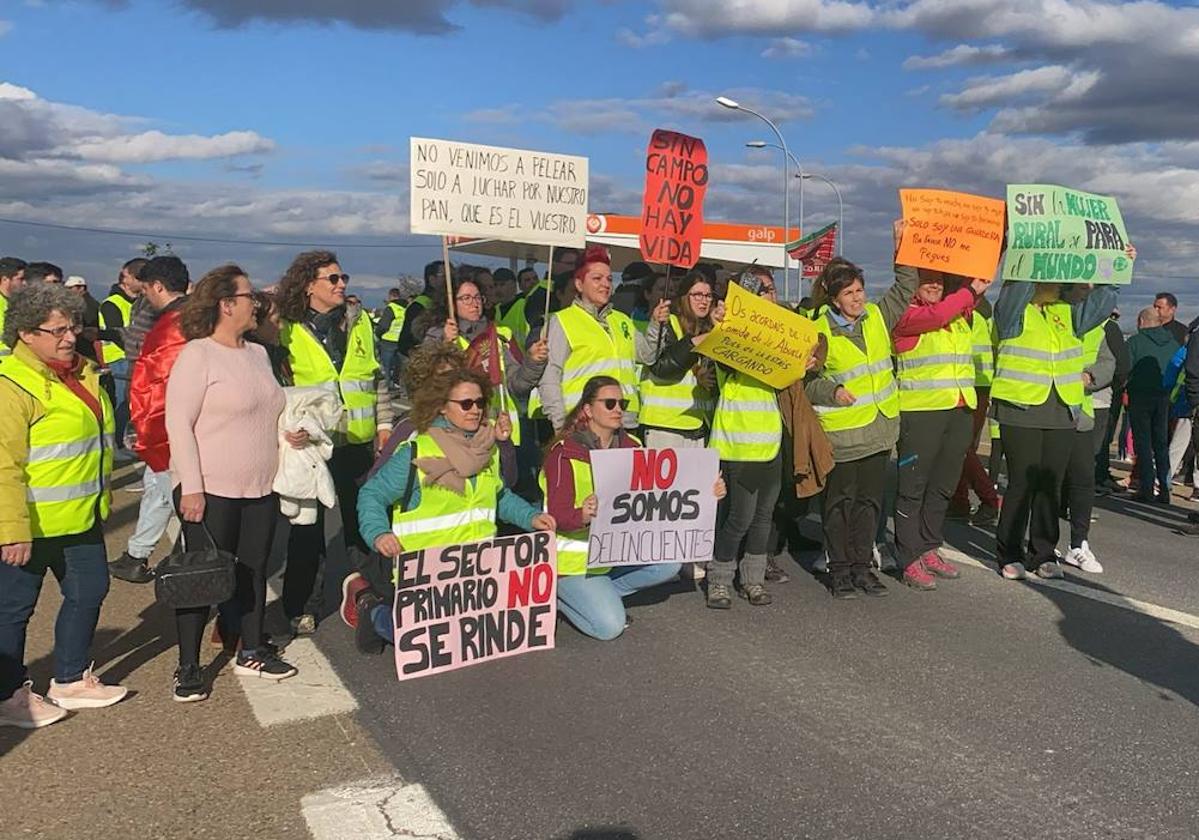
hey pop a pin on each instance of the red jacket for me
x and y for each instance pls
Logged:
(560, 479)
(148, 389)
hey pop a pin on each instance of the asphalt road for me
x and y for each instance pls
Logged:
(984, 709)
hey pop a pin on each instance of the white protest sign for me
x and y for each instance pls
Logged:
(655, 506)
(466, 189)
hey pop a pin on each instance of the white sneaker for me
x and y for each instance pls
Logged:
(1014, 571)
(1082, 558)
(87, 692)
(26, 710)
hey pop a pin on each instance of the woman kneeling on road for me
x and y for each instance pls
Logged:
(449, 471)
(592, 598)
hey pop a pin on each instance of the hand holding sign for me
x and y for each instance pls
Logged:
(387, 545)
(544, 522)
(661, 312)
(590, 506)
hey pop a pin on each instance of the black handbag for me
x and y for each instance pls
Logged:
(197, 577)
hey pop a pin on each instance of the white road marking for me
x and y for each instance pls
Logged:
(375, 809)
(1113, 599)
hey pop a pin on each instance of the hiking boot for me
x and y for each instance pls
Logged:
(263, 664)
(352, 588)
(26, 710)
(986, 516)
(841, 587)
(756, 594)
(131, 569)
(1049, 571)
(189, 685)
(918, 577)
(303, 625)
(1013, 571)
(939, 566)
(87, 692)
(869, 583)
(775, 573)
(1082, 558)
(366, 638)
(719, 597)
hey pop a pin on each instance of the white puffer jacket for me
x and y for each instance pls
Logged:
(303, 478)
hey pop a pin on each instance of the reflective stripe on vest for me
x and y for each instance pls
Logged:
(1091, 342)
(684, 405)
(868, 376)
(574, 545)
(1046, 354)
(311, 366)
(444, 517)
(939, 370)
(595, 351)
(983, 350)
(111, 351)
(747, 425)
(397, 322)
(70, 454)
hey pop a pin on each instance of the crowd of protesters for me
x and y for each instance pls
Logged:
(460, 408)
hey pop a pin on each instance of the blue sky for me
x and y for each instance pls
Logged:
(289, 119)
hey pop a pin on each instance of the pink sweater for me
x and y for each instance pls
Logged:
(223, 407)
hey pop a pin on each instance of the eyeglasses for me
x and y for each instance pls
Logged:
(610, 403)
(701, 295)
(60, 332)
(467, 405)
(470, 298)
(334, 279)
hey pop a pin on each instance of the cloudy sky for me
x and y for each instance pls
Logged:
(287, 121)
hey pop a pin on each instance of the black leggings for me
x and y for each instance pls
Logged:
(245, 528)
(1036, 460)
(853, 502)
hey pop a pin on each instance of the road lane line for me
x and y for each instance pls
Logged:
(375, 809)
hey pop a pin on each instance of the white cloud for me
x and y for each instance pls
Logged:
(787, 48)
(716, 18)
(963, 55)
(154, 146)
(994, 90)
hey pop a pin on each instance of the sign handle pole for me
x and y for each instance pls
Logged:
(662, 327)
(549, 274)
(449, 284)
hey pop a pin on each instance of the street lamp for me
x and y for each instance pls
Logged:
(804, 176)
(762, 144)
(733, 105)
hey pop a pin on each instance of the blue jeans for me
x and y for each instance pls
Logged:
(120, 381)
(154, 514)
(80, 564)
(381, 620)
(388, 357)
(595, 603)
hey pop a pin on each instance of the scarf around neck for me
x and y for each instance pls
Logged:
(464, 457)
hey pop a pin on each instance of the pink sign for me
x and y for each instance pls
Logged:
(463, 604)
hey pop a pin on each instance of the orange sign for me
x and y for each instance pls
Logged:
(954, 232)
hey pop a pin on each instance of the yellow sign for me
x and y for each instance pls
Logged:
(761, 338)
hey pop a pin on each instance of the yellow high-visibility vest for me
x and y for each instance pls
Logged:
(939, 370)
(4, 348)
(1047, 354)
(444, 517)
(397, 322)
(574, 545)
(1091, 342)
(684, 405)
(112, 351)
(595, 351)
(868, 376)
(984, 351)
(747, 424)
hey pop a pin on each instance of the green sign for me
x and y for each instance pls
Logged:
(1056, 235)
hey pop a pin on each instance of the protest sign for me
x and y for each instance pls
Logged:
(761, 338)
(465, 189)
(672, 209)
(815, 250)
(464, 604)
(1059, 235)
(655, 506)
(954, 232)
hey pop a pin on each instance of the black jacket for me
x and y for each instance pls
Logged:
(1191, 371)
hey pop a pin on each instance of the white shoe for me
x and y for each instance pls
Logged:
(26, 710)
(87, 692)
(1082, 558)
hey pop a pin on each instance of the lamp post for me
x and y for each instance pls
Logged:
(803, 176)
(733, 105)
(762, 144)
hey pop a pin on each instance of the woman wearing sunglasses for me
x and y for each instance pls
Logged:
(592, 599)
(448, 473)
(486, 345)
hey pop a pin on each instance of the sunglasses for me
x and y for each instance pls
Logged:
(467, 405)
(334, 279)
(610, 403)
(60, 332)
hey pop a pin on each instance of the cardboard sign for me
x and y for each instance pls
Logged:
(761, 338)
(655, 506)
(465, 604)
(1056, 235)
(954, 232)
(672, 209)
(465, 189)
(815, 250)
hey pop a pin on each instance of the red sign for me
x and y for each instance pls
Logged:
(815, 250)
(672, 210)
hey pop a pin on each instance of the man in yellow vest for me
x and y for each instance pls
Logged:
(1037, 397)
(116, 312)
(12, 277)
(391, 323)
(330, 345)
(56, 443)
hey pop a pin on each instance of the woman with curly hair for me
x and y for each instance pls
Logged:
(450, 471)
(330, 345)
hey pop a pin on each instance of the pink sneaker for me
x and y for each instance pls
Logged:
(918, 577)
(939, 566)
(353, 586)
(87, 692)
(26, 710)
